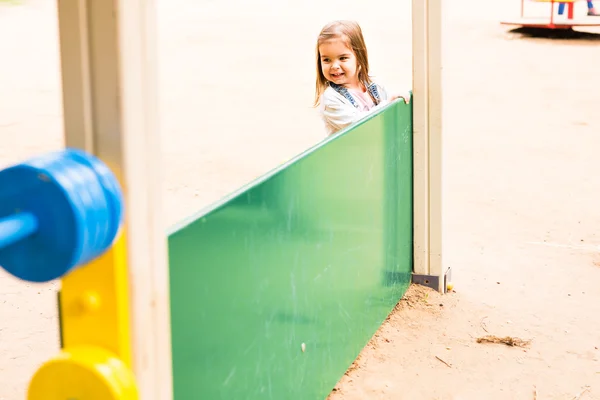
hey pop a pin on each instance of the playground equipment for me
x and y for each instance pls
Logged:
(551, 21)
(272, 292)
(59, 211)
(296, 270)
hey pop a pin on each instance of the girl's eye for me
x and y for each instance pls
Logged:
(344, 58)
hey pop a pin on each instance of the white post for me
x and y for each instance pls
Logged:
(427, 152)
(110, 109)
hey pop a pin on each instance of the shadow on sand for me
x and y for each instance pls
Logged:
(560, 34)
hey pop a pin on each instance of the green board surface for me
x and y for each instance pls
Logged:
(313, 255)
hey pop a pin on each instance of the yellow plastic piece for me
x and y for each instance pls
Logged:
(95, 304)
(450, 286)
(83, 373)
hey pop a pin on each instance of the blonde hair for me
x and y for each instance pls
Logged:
(351, 34)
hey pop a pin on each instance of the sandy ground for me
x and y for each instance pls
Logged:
(521, 120)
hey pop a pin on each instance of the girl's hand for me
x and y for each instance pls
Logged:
(405, 97)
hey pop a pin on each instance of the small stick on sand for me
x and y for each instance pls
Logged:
(584, 391)
(482, 323)
(534, 393)
(447, 364)
(507, 340)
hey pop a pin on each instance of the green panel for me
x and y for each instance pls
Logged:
(317, 252)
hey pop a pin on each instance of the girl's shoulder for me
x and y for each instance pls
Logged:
(332, 97)
(331, 94)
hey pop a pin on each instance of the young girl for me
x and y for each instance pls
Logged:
(345, 91)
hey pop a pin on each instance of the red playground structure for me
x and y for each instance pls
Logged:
(554, 21)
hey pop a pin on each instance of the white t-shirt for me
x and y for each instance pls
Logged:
(365, 102)
(338, 113)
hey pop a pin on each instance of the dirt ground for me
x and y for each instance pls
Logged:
(521, 198)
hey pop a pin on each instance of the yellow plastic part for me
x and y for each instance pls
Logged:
(83, 373)
(95, 304)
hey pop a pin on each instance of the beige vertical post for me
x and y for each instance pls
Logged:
(427, 152)
(109, 78)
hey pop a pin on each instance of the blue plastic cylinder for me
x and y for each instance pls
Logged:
(76, 204)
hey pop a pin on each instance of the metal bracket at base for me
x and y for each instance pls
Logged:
(432, 281)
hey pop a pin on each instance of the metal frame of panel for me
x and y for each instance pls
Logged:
(427, 137)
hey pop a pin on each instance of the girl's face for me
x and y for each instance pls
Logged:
(338, 63)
